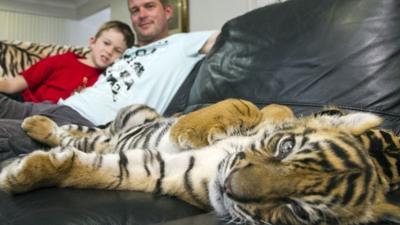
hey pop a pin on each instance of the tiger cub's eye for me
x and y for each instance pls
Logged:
(285, 147)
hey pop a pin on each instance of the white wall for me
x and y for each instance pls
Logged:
(35, 9)
(48, 24)
(79, 31)
(34, 28)
(22, 22)
(119, 9)
(212, 14)
(47, 29)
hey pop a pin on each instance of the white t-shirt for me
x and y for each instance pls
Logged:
(149, 75)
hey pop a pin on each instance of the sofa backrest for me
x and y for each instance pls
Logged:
(17, 56)
(308, 54)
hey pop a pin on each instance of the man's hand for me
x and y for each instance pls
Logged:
(210, 43)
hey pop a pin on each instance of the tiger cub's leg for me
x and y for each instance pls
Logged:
(215, 122)
(36, 169)
(275, 113)
(42, 129)
(70, 167)
(88, 139)
(46, 131)
(137, 170)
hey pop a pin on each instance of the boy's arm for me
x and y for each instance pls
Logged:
(209, 43)
(13, 85)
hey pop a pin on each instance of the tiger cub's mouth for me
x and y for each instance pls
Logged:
(218, 196)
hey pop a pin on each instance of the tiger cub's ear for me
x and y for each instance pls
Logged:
(356, 123)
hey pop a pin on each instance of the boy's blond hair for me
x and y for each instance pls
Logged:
(121, 27)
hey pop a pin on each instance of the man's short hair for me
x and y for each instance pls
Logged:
(165, 2)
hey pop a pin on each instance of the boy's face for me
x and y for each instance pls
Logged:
(107, 48)
(149, 19)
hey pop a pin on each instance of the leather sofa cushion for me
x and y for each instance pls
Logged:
(58, 206)
(308, 54)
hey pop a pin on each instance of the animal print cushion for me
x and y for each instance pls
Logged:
(17, 56)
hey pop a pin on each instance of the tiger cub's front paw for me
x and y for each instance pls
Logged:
(215, 122)
(41, 129)
(191, 138)
(37, 169)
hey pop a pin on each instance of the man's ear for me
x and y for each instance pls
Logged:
(169, 11)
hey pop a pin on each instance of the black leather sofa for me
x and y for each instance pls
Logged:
(302, 53)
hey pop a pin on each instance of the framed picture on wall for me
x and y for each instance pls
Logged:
(180, 21)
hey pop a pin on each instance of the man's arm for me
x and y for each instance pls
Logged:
(209, 43)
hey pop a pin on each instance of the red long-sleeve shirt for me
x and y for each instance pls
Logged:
(57, 77)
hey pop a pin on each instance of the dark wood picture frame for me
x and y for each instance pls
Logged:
(180, 21)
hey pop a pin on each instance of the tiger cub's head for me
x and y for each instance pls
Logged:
(312, 170)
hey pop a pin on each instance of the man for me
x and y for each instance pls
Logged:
(150, 73)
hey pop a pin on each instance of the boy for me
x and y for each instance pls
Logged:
(59, 76)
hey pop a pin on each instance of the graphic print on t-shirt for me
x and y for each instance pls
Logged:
(122, 75)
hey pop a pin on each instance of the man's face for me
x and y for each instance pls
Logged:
(149, 19)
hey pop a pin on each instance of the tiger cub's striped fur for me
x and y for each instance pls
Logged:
(321, 169)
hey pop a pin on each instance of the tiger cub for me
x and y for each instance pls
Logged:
(139, 126)
(321, 169)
